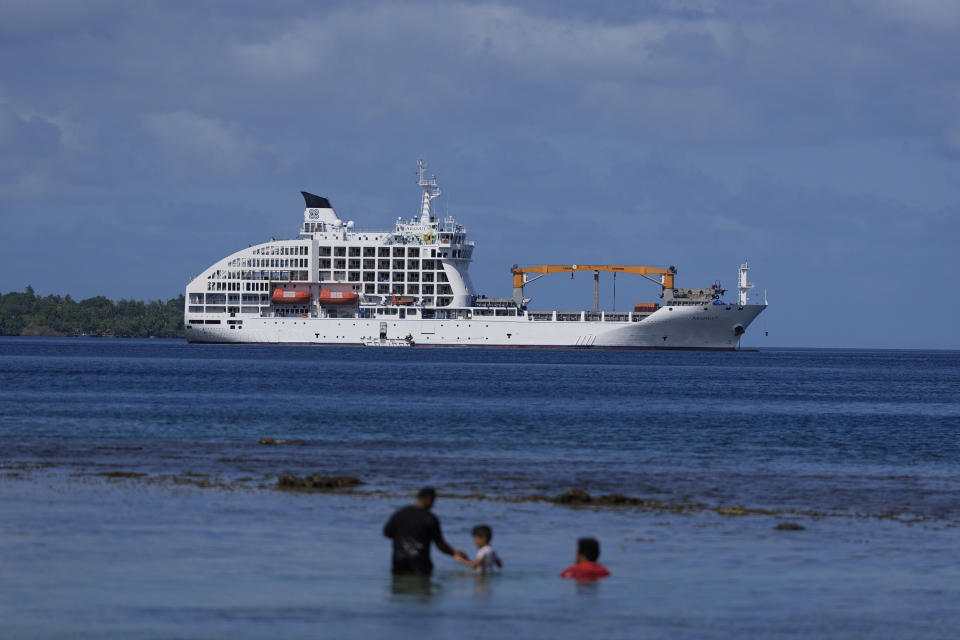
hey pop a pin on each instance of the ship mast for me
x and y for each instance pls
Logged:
(430, 191)
(742, 285)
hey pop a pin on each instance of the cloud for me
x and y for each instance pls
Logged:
(687, 73)
(952, 140)
(687, 131)
(192, 136)
(29, 19)
(934, 15)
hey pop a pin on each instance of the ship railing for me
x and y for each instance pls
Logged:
(265, 313)
(585, 316)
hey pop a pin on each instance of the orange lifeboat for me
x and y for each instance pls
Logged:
(337, 297)
(646, 307)
(290, 297)
(400, 300)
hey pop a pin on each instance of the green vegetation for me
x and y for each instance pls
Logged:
(26, 314)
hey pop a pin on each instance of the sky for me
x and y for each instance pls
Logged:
(140, 142)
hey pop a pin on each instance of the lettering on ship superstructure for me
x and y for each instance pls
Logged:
(335, 283)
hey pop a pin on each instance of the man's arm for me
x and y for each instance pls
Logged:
(442, 544)
(450, 551)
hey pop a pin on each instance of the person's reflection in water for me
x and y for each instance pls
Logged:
(407, 584)
(482, 587)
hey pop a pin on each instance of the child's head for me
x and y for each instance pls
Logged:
(482, 535)
(588, 549)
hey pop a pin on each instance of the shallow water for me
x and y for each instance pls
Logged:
(859, 447)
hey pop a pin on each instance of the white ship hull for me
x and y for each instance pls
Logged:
(336, 284)
(681, 327)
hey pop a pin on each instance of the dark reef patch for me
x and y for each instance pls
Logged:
(316, 482)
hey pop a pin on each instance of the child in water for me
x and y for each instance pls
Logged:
(586, 567)
(486, 558)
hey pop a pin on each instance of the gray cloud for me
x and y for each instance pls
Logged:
(560, 130)
(218, 145)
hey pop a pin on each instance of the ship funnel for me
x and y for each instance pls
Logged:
(319, 209)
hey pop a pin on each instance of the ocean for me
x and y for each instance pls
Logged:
(781, 493)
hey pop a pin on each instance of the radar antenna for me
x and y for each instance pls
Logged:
(430, 191)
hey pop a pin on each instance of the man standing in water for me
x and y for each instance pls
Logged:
(412, 529)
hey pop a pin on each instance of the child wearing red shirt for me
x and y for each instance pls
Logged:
(586, 567)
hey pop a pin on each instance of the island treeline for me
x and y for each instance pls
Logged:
(27, 314)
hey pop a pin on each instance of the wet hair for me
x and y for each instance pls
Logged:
(589, 548)
(483, 531)
(427, 493)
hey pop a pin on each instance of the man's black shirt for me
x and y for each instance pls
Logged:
(412, 529)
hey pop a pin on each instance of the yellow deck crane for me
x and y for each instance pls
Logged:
(521, 277)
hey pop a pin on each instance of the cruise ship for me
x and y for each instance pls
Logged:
(337, 284)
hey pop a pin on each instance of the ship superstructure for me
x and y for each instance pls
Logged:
(338, 284)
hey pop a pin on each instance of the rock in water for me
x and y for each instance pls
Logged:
(573, 496)
(316, 482)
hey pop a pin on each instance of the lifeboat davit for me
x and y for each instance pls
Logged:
(337, 297)
(400, 300)
(290, 297)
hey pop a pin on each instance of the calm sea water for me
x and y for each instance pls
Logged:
(861, 448)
